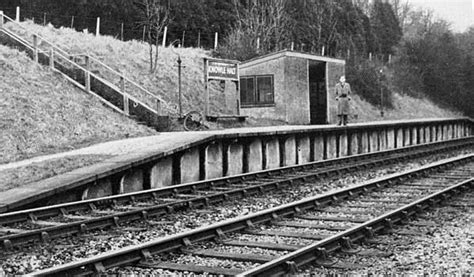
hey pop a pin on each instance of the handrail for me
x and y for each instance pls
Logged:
(122, 76)
(107, 103)
(65, 55)
(35, 34)
(20, 40)
(112, 86)
(17, 38)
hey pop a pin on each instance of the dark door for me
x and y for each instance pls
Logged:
(317, 92)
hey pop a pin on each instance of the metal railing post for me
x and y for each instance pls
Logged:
(88, 74)
(51, 58)
(35, 48)
(126, 107)
(158, 107)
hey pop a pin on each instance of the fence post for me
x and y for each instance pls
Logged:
(1, 19)
(182, 40)
(35, 48)
(292, 46)
(199, 39)
(97, 28)
(88, 74)
(17, 18)
(44, 19)
(158, 107)
(126, 107)
(258, 43)
(121, 31)
(72, 22)
(51, 58)
(164, 37)
(216, 37)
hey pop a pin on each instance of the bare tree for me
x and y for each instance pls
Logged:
(364, 5)
(402, 9)
(267, 21)
(155, 16)
(322, 26)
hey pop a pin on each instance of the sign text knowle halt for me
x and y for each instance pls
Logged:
(222, 70)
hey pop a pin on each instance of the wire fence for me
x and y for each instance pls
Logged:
(123, 30)
(126, 30)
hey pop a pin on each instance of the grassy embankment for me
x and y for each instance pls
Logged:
(131, 58)
(42, 113)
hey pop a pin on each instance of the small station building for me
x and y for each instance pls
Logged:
(294, 87)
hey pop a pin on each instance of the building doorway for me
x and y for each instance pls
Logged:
(317, 92)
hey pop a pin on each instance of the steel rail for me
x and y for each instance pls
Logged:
(290, 262)
(132, 254)
(114, 219)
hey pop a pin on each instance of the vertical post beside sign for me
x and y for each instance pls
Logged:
(1, 19)
(237, 89)
(206, 87)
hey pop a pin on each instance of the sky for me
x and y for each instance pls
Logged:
(459, 12)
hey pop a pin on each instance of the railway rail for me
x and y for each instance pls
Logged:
(333, 222)
(45, 223)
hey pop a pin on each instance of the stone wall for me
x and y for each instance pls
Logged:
(233, 152)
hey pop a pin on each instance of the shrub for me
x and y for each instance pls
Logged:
(367, 81)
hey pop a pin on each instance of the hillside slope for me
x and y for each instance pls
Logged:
(40, 112)
(405, 107)
(131, 58)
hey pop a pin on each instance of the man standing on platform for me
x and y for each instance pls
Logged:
(343, 92)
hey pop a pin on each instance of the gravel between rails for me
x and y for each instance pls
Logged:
(28, 259)
(445, 248)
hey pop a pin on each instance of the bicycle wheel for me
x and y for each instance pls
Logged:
(193, 121)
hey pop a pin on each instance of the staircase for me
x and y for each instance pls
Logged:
(90, 74)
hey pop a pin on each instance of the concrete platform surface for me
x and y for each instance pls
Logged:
(127, 151)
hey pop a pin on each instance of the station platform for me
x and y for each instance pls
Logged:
(216, 149)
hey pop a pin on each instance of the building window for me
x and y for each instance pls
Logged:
(256, 91)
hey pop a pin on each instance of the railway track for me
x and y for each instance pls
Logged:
(431, 234)
(45, 223)
(295, 234)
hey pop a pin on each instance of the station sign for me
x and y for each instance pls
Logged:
(222, 70)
